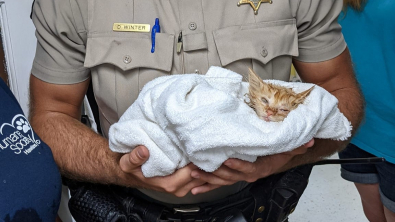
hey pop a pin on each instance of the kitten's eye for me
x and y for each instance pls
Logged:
(264, 100)
(283, 110)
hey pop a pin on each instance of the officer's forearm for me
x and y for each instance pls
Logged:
(55, 112)
(79, 152)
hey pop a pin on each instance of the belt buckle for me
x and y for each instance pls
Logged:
(186, 210)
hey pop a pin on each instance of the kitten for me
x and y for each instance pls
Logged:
(271, 102)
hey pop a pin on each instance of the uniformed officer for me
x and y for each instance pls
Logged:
(109, 42)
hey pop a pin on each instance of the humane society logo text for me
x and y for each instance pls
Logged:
(18, 136)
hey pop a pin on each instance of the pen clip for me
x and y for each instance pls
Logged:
(155, 29)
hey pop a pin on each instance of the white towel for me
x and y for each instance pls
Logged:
(204, 119)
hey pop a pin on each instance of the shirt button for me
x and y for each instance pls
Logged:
(127, 59)
(264, 52)
(192, 26)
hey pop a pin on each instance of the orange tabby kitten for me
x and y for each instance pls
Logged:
(271, 102)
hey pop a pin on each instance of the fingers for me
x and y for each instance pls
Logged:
(133, 160)
(234, 170)
(204, 188)
(184, 190)
(240, 165)
(212, 178)
(221, 177)
(139, 155)
(248, 171)
(310, 143)
(179, 183)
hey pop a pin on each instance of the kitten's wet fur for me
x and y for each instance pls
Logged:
(271, 102)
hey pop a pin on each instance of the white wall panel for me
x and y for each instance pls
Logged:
(19, 46)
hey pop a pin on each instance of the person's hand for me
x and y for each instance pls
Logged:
(179, 183)
(234, 170)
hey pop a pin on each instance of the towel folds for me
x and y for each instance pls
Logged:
(204, 119)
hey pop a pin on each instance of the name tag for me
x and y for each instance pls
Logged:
(128, 27)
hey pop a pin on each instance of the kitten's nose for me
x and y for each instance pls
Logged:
(269, 112)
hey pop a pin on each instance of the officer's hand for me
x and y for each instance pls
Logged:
(179, 183)
(234, 170)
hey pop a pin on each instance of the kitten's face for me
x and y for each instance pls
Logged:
(273, 103)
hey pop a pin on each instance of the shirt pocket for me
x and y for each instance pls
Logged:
(263, 41)
(121, 63)
(130, 50)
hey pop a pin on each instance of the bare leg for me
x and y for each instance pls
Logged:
(389, 215)
(371, 202)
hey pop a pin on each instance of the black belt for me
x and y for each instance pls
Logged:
(270, 199)
(231, 207)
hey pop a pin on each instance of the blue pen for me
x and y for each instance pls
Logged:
(155, 29)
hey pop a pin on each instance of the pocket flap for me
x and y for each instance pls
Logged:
(260, 41)
(130, 50)
(194, 41)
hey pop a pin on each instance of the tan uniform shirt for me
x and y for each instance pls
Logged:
(76, 40)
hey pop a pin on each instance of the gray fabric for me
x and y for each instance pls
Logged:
(364, 178)
(388, 203)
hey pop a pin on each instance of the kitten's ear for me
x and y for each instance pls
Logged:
(302, 96)
(254, 80)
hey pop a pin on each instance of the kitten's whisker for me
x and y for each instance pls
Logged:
(245, 78)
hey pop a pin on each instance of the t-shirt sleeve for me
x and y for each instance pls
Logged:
(60, 52)
(319, 33)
